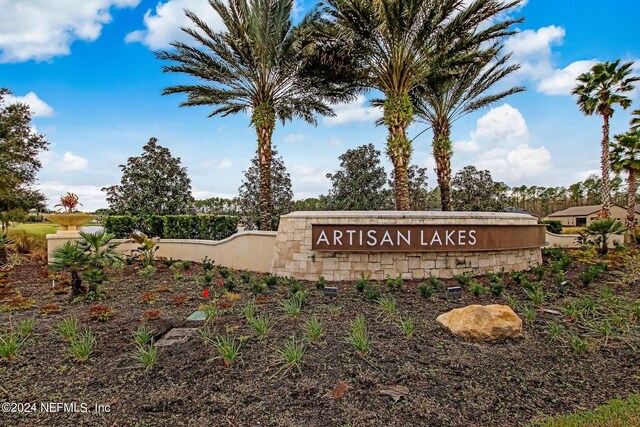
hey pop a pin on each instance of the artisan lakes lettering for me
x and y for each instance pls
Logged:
(427, 237)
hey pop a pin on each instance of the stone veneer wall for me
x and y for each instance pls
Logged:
(292, 254)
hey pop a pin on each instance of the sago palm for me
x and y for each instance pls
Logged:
(625, 157)
(258, 65)
(393, 45)
(100, 247)
(72, 258)
(598, 91)
(443, 99)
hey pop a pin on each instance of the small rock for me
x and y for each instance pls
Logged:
(396, 392)
(482, 322)
(197, 316)
(550, 311)
(176, 336)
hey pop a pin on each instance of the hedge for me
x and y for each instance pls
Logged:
(205, 227)
(553, 226)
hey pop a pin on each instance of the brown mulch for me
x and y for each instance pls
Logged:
(450, 381)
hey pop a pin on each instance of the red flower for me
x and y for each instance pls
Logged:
(205, 293)
(220, 282)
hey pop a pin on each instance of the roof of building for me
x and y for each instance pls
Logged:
(578, 211)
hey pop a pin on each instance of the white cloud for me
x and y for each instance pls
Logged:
(43, 29)
(501, 125)
(38, 107)
(225, 164)
(561, 82)
(294, 137)
(72, 163)
(501, 143)
(532, 49)
(355, 111)
(309, 181)
(334, 141)
(162, 26)
(581, 176)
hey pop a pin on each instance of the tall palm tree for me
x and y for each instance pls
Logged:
(598, 91)
(258, 66)
(442, 100)
(394, 45)
(635, 120)
(625, 156)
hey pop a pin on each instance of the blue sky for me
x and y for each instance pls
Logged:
(87, 69)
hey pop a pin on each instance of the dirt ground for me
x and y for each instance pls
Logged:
(451, 382)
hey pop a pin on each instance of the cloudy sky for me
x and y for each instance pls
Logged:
(86, 68)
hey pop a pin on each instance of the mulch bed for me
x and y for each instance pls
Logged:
(450, 381)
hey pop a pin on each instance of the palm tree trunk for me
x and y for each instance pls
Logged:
(398, 115)
(605, 166)
(442, 154)
(631, 199)
(76, 284)
(263, 119)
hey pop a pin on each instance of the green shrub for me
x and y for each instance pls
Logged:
(362, 282)
(426, 290)
(478, 289)
(463, 279)
(321, 283)
(553, 226)
(394, 283)
(121, 226)
(587, 276)
(435, 282)
(271, 281)
(203, 227)
(372, 292)
(359, 337)
(257, 288)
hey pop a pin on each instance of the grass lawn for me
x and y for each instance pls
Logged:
(617, 413)
(35, 229)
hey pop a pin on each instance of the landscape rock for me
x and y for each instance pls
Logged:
(482, 322)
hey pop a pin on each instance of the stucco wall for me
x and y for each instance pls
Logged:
(249, 250)
(293, 255)
(571, 240)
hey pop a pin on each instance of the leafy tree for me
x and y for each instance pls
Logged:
(474, 190)
(309, 204)
(154, 183)
(249, 202)
(598, 91)
(359, 183)
(19, 164)
(217, 206)
(443, 99)
(259, 65)
(392, 46)
(625, 156)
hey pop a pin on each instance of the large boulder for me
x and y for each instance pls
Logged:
(482, 322)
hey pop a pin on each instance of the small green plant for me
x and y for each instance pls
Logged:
(294, 286)
(518, 276)
(186, 265)
(25, 327)
(224, 272)
(271, 281)
(462, 279)
(336, 311)
(359, 337)
(229, 283)
(587, 277)
(477, 288)
(394, 283)
(178, 277)
(207, 264)
(67, 328)
(142, 336)
(293, 306)
(362, 282)
(246, 277)
(426, 290)
(372, 292)
(529, 313)
(261, 326)
(147, 249)
(407, 327)
(388, 307)
(435, 282)
(206, 334)
(321, 283)
(210, 312)
(579, 344)
(496, 285)
(207, 277)
(11, 341)
(289, 355)
(249, 310)
(539, 271)
(535, 294)
(313, 328)
(147, 355)
(555, 331)
(147, 271)
(257, 288)
(228, 349)
(82, 345)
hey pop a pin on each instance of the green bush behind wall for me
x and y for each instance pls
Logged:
(204, 227)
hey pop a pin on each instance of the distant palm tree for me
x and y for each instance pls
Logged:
(257, 66)
(442, 100)
(394, 45)
(635, 121)
(625, 156)
(598, 91)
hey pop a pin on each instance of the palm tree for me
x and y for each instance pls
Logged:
(635, 121)
(442, 100)
(394, 45)
(598, 91)
(257, 65)
(625, 156)
(72, 258)
(603, 228)
(100, 248)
